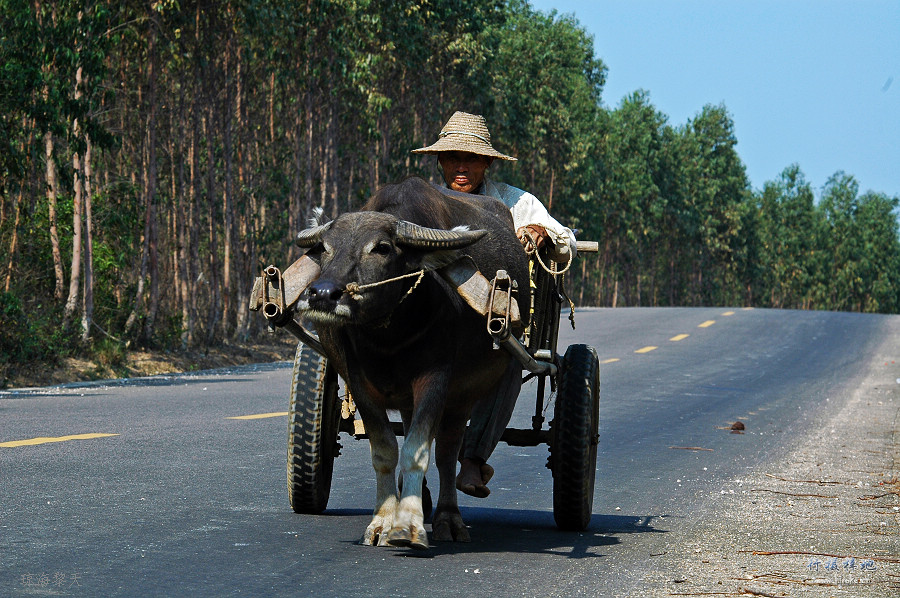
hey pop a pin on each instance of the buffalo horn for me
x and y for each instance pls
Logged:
(421, 237)
(311, 236)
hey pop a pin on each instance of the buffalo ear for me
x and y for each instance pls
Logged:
(311, 236)
(421, 237)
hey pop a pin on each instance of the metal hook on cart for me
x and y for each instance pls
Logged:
(500, 306)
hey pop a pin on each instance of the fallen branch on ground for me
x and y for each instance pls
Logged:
(791, 493)
(821, 482)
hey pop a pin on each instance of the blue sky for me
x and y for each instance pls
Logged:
(811, 82)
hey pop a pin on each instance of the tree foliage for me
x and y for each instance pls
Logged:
(154, 156)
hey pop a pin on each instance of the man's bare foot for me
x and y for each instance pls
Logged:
(473, 478)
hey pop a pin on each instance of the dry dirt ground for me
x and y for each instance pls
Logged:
(278, 347)
(822, 523)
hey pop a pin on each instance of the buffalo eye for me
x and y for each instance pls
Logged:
(382, 248)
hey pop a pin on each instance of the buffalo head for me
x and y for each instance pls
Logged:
(369, 263)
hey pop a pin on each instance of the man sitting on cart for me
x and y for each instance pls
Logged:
(464, 154)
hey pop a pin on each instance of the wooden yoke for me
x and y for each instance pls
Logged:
(479, 293)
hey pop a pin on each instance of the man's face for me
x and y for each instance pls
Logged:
(463, 171)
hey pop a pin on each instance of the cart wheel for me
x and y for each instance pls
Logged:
(313, 420)
(573, 452)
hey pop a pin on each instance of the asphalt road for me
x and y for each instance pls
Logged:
(179, 499)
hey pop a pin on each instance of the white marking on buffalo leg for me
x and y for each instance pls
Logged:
(409, 523)
(383, 444)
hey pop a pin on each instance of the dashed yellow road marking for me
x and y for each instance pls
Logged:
(46, 440)
(260, 415)
(648, 349)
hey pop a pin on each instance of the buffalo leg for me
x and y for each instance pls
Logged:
(409, 522)
(447, 523)
(429, 394)
(383, 444)
(427, 503)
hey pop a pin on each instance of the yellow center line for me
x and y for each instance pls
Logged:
(707, 324)
(728, 313)
(613, 360)
(679, 337)
(45, 440)
(646, 349)
(260, 415)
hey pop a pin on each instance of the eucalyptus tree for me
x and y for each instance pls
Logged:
(789, 233)
(863, 247)
(877, 224)
(54, 56)
(632, 204)
(714, 194)
(546, 86)
(21, 107)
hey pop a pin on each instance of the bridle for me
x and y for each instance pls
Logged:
(355, 290)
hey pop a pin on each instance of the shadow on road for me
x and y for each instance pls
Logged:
(528, 532)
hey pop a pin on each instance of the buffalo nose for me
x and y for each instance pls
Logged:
(325, 292)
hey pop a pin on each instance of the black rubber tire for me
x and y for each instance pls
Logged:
(573, 450)
(313, 421)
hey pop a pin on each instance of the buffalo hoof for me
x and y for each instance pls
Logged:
(374, 537)
(448, 526)
(427, 503)
(376, 533)
(403, 538)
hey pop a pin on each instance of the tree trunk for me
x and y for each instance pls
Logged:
(583, 282)
(193, 224)
(245, 220)
(308, 199)
(87, 313)
(13, 243)
(214, 312)
(75, 272)
(52, 193)
(150, 191)
(182, 241)
(228, 199)
(148, 267)
(550, 195)
(16, 208)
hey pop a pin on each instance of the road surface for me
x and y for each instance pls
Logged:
(164, 486)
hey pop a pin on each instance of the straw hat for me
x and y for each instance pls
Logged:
(464, 132)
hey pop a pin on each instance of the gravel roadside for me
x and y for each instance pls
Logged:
(824, 522)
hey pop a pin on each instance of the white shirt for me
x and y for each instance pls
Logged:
(527, 209)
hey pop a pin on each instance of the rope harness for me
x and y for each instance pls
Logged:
(355, 290)
(530, 245)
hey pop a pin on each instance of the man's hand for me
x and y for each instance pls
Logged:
(532, 236)
(535, 236)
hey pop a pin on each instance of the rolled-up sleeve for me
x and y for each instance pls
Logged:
(527, 209)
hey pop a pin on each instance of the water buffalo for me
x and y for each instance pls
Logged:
(402, 339)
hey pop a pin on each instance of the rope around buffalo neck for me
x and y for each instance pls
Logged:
(355, 290)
